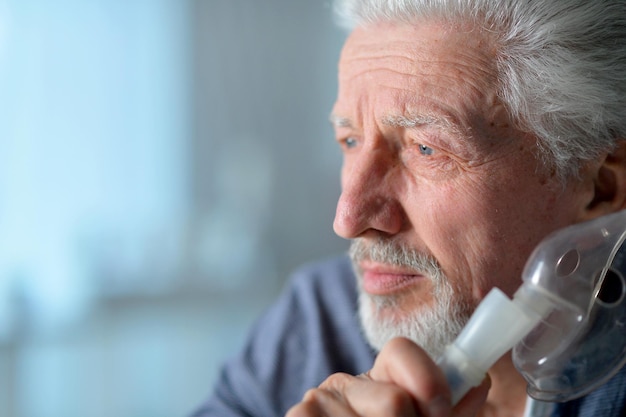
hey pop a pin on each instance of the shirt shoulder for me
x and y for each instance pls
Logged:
(310, 332)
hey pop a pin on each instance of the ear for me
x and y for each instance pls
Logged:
(609, 181)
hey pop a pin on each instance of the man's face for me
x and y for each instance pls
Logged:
(433, 164)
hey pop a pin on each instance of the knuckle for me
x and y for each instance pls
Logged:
(320, 396)
(337, 381)
(397, 402)
(313, 395)
(394, 350)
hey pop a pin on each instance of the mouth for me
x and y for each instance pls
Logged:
(381, 279)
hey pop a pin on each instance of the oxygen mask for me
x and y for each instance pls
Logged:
(566, 323)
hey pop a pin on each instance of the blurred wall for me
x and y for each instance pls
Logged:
(265, 161)
(164, 165)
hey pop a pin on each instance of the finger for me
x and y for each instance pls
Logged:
(381, 399)
(473, 400)
(403, 363)
(372, 398)
(320, 402)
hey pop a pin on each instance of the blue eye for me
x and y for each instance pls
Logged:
(350, 142)
(425, 150)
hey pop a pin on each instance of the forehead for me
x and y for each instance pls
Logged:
(430, 68)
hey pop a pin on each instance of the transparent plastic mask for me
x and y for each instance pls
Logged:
(581, 342)
(566, 323)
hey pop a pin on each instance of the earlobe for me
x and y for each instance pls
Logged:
(609, 182)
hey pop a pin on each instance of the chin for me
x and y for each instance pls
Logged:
(432, 325)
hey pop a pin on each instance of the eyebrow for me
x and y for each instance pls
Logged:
(405, 121)
(419, 120)
(339, 121)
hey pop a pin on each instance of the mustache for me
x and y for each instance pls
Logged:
(396, 254)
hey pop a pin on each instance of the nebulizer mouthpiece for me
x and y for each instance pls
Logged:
(566, 323)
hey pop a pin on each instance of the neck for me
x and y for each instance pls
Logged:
(507, 396)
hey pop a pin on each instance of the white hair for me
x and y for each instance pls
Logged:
(561, 64)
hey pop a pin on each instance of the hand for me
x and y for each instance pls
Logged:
(403, 382)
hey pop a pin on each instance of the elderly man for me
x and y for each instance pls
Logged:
(470, 130)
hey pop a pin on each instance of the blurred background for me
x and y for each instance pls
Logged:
(164, 165)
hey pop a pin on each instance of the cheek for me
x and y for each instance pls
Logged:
(458, 230)
(480, 239)
(472, 244)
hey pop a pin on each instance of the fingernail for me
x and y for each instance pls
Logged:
(439, 407)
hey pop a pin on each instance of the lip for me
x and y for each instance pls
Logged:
(380, 279)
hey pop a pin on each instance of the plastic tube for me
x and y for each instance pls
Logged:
(495, 327)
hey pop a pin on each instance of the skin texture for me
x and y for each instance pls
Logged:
(432, 161)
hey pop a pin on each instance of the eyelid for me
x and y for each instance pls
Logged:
(461, 147)
(344, 133)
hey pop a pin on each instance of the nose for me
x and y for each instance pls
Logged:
(368, 204)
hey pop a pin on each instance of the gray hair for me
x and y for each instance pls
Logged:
(561, 64)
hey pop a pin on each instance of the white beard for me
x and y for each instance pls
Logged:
(431, 327)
